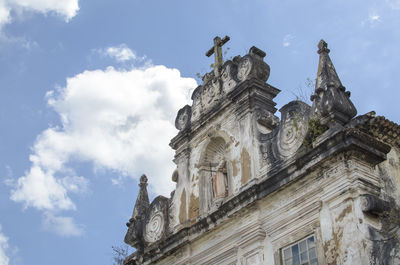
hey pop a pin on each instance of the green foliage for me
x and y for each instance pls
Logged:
(212, 66)
(315, 129)
(296, 121)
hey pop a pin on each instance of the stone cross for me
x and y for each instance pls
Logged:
(217, 51)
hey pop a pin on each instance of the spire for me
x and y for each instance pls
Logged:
(326, 75)
(142, 201)
(331, 102)
(134, 235)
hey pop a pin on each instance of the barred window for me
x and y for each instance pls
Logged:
(302, 252)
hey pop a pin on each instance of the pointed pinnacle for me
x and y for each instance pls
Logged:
(330, 100)
(142, 200)
(143, 179)
(323, 47)
(326, 75)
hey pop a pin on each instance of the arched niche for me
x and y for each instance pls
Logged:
(214, 174)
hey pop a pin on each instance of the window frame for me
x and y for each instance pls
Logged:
(282, 250)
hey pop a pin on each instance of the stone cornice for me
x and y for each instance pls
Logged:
(379, 127)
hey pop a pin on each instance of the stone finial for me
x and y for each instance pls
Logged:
(252, 65)
(142, 201)
(134, 236)
(331, 101)
(257, 52)
(143, 180)
(323, 47)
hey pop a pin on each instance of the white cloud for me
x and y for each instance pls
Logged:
(287, 40)
(121, 53)
(65, 8)
(63, 226)
(76, 184)
(120, 120)
(4, 260)
(372, 20)
(5, 10)
(39, 188)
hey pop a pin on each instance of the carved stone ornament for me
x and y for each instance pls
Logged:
(154, 227)
(261, 69)
(266, 121)
(133, 236)
(293, 128)
(156, 222)
(244, 68)
(217, 84)
(228, 72)
(210, 94)
(253, 66)
(196, 106)
(182, 120)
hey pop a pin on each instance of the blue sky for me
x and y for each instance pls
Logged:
(89, 90)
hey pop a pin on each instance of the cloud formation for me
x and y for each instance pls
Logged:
(121, 53)
(62, 226)
(120, 120)
(287, 40)
(373, 20)
(65, 8)
(4, 260)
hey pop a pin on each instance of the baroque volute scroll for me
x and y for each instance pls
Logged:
(211, 93)
(196, 105)
(183, 118)
(228, 76)
(293, 128)
(253, 66)
(156, 223)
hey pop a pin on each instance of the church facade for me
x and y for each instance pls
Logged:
(319, 185)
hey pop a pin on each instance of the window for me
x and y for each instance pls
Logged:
(302, 252)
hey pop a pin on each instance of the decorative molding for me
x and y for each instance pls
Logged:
(279, 177)
(183, 118)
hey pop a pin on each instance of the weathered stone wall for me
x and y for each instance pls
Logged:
(249, 184)
(386, 236)
(241, 152)
(326, 202)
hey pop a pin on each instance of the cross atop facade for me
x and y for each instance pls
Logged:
(217, 51)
